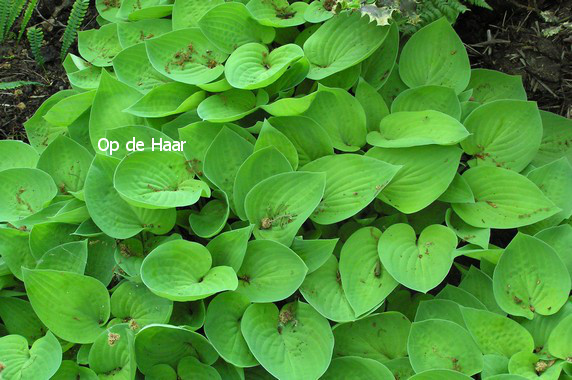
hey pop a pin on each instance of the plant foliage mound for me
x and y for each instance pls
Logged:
(344, 205)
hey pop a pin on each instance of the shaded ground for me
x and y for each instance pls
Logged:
(17, 64)
(514, 39)
(532, 39)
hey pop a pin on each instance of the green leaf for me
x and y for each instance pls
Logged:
(133, 33)
(111, 213)
(381, 337)
(69, 109)
(435, 55)
(99, 46)
(347, 126)
(186, 14)
(558, 342)
(466, 232)
(431, 97)
(440, 344)
(270, 272)
(16, 252)
(556, 137)
(480, 285)
(509, 142)
(158, 180)
(278, 13)
(440, 374)
(229, 247)
(310, 140)
(314, 252)
(291, 343)
(490, 85)
(132, 67)
(222, 327)
(553, 180)
(136, 305)
(559, 238)
(231, 105)
(166, 100)
(69, 257)
(39, 131)
(271, 137)
(72, 306)
(377, 68)
(357, 368)
(503, 199)
(422, 178)
(279, 205)
(419, 264)
(444, 309)
(342, 42)
(525, 363)
(352, 182)
(495, 334)
(23, 192)
(231, 25)
(111, 98)
(17, 154)
(260, 165)
(212, 217)
(113, 353)
(253, 66)
(372, 103)
(187, 56)
(323, 290)
(365, 281)
(67, 162)
(164, 344)
(408, 129)
(317, 12)
(41, 361)
(530, 278)
(223, 160)
(180, 270)
(19, 318)
(191, 368)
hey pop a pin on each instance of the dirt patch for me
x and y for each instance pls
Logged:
(532, 39)
(17, 64)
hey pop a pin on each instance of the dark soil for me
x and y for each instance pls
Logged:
(515, 39)
(17, 64)
(509, 39)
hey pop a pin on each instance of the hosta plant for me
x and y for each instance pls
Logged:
(263, 189)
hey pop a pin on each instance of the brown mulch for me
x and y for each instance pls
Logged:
(516, 39)
(17, 64)
(510, 39)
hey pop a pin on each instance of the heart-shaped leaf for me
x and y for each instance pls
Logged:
(420, 264)
(41, 361)
(301, 339)
(530, 278)
(365, 281)
(381, 337)
(279, 205)
(180, 270)
(230, 25)
(503, 199)
(439, 344)
(435, 56)
(222, 327)
(253, 66)
(352, 182)
(72, 306)
(333, 48)
(509, 142)
(407, 129)
(270, 272)
(187, 56)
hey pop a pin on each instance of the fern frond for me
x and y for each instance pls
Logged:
(27, 16)
(5, 6)
(17, 7)
(36, 38)
(480, 3)
(18, 84)
(74, 22)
